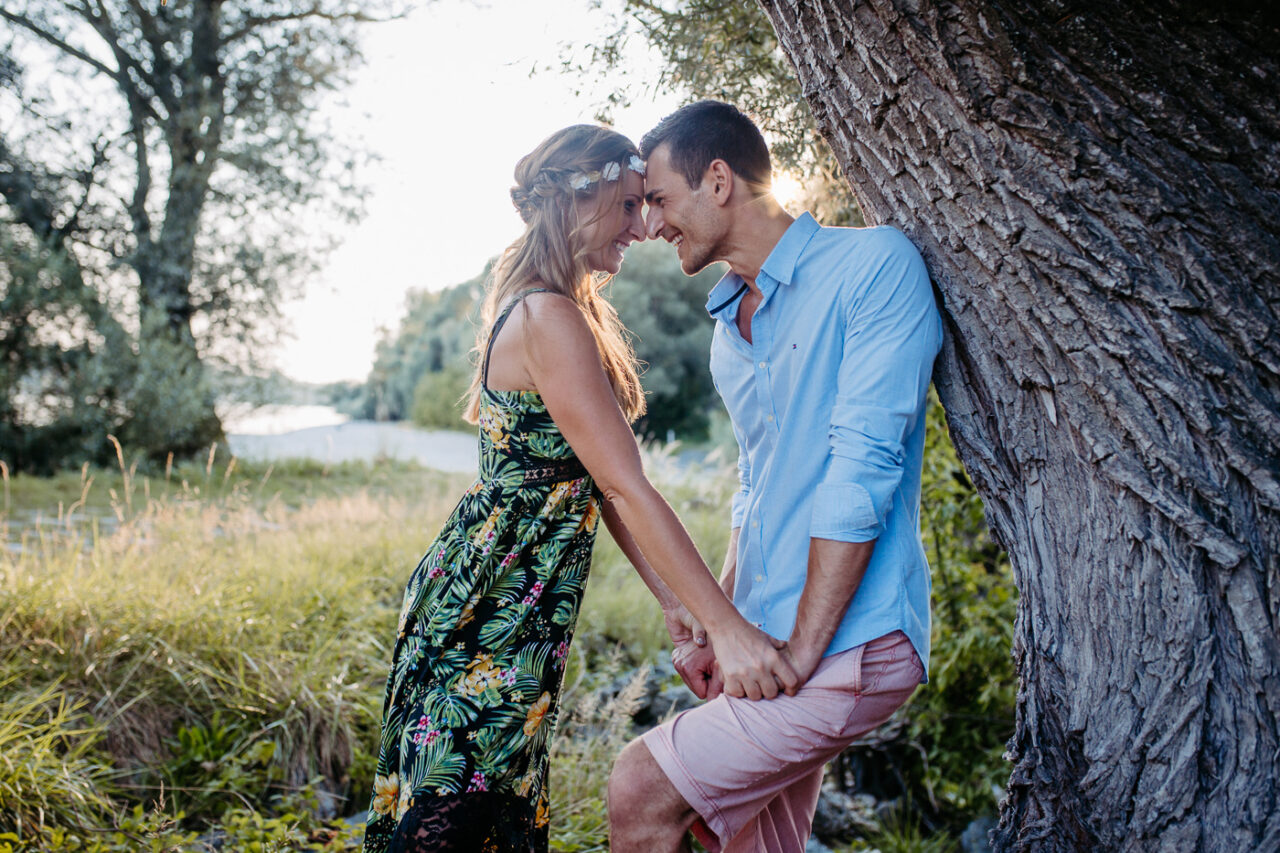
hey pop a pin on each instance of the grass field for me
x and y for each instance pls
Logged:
(193, 657)
(205, 648)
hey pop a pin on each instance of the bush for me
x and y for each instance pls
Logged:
(438, 398)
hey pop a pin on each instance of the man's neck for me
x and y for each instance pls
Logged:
(756, 231)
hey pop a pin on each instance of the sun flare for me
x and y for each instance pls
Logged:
(786, 189)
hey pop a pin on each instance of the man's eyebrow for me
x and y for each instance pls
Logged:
(648, 196)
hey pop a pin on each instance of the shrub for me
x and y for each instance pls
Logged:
(438, 398)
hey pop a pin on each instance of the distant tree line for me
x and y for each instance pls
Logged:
(423, 368)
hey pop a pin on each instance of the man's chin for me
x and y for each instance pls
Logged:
(693, 266)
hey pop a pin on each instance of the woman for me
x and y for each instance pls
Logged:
(489, 612)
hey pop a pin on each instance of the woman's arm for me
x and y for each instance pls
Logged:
(672, 610)
(565, 366)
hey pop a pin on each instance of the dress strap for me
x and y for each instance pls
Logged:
(497, 327)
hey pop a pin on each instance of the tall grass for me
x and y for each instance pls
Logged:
(202, 649)
(207, 648)
(221, 649)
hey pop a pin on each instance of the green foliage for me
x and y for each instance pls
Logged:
(50, 772)
(901, 833)
(963, 717)
(425, 366)
(140, 142)
(439, 398)
(215, 766)
(227, 630)
(727, 50)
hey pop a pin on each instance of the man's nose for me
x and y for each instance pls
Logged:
(636, 226)
(653, 221)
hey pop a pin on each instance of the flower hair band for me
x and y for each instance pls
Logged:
(549, 182)
(609, 172)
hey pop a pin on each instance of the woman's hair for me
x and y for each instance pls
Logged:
(579, 162)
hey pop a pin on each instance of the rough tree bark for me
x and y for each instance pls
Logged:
(1096, 189)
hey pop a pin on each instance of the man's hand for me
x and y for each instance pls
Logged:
(804, 655)
(753, 663)
(697, 666)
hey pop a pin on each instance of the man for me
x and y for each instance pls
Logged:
(823, 350)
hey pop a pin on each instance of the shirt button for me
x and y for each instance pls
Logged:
(755, 524)
(769, 419)
(759, 578)
(762, 364)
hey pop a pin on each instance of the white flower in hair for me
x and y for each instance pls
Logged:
(636, 164)
(611, 171)
(582, 180)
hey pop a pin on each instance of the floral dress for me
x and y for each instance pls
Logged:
(480, 652)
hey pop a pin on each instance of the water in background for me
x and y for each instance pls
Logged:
(322, 433)
(274, 420)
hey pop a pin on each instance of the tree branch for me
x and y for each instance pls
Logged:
(86, 184)
(18, 187)
(53, 39)
(101, 21)
(162, 69)
(253, 22)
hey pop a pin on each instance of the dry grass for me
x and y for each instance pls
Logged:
(209, 645)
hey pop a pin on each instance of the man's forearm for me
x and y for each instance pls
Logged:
(834, 573)
(729, 571)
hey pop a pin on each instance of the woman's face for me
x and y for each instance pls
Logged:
(617, 222)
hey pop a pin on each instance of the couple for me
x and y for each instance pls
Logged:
(819, 626)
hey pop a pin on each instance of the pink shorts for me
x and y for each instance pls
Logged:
(753, 770)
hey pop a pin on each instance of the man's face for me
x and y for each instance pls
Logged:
(684, 217)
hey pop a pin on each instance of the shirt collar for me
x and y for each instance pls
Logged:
(779, 266)
(781, 263)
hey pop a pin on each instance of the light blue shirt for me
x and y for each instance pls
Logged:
(828, 407)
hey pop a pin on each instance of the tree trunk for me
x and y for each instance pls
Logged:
(1096, 189)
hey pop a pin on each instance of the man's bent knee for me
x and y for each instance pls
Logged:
(632, 784)
(646, 812)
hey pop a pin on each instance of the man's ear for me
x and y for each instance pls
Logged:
(721, 180)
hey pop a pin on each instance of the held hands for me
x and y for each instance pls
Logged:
(683, 628)
(697, 666)
(746, 662)
(753, 664)
(692, 655)
(804, 655)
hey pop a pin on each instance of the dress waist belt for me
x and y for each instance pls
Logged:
(547, 471)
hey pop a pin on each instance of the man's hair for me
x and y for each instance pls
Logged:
(711, 130)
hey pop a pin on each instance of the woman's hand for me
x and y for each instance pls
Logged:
(682, 627)
(753, 664)
(697, 666)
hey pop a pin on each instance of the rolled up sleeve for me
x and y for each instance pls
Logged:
(892, 333)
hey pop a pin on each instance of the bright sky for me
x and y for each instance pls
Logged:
(447, 101)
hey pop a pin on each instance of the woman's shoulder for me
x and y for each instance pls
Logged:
(549, 306)
(553, 322)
